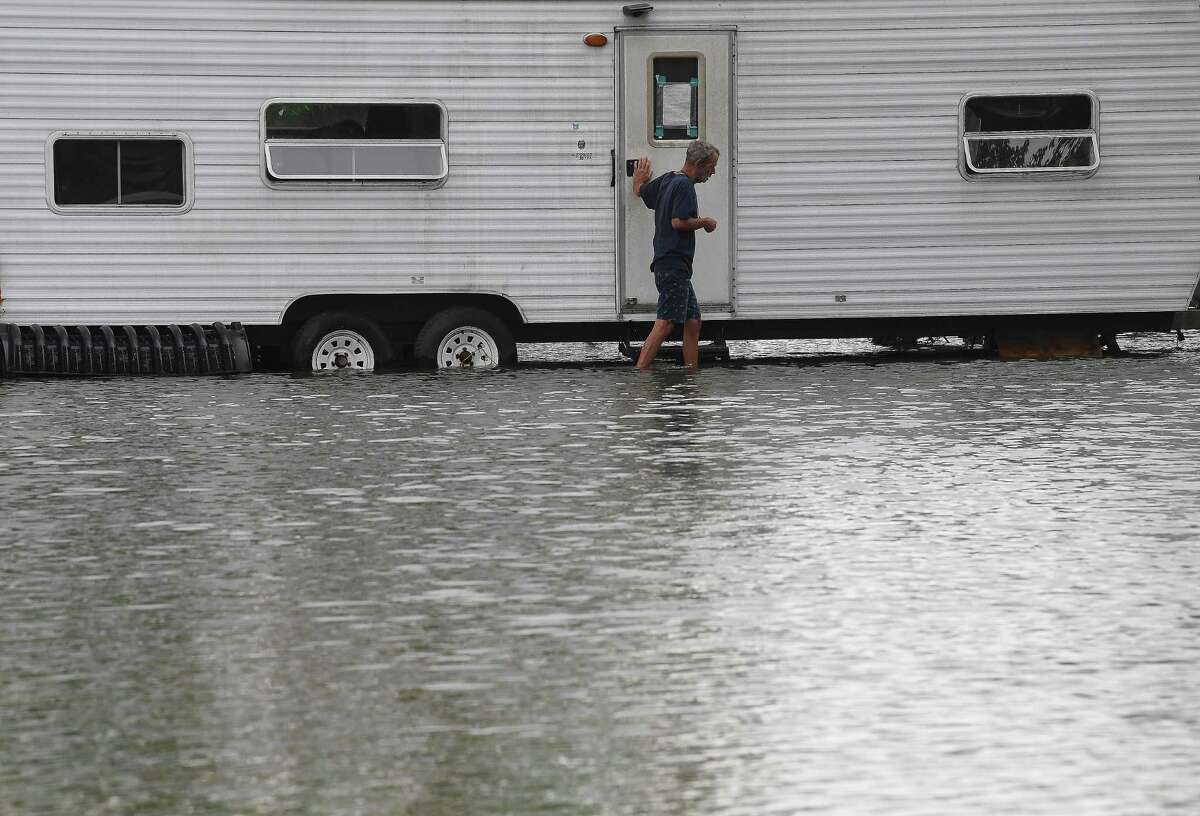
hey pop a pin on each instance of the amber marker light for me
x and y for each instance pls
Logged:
(596, 40)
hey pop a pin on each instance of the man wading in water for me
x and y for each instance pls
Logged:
(672, 196)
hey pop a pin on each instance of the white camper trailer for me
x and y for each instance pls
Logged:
(359, 180)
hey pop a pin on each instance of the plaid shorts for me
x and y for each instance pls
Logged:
(676, 297)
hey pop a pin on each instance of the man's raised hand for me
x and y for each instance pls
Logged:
(641, 174)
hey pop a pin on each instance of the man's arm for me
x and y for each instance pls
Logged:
(641, 174)
(685, 212)
(694, 224)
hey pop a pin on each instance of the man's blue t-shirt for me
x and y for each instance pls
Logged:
(672, 195)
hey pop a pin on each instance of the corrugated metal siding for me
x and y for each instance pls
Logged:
(521, 213)
(848, 142)
(204, 286)
(552, 100)
(848, 179)
(541, 16)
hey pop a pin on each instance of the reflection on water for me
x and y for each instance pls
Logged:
(811, 583)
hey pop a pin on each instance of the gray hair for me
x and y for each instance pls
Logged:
(699, 152)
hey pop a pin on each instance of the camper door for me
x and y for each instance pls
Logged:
(675, 87)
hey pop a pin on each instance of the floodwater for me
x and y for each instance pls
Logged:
(821, 580)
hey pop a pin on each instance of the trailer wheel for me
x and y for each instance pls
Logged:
(464, 337)
(339, 341)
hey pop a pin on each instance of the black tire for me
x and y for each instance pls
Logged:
(320, 326)
(427, 349)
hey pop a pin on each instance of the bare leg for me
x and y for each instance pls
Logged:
(660, 332)
(691, 344)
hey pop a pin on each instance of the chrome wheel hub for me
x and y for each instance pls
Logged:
(343, 350)
(468, 347)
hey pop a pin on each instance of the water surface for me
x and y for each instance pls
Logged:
(821, 580)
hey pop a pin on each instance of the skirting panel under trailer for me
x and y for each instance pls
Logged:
(123, 350)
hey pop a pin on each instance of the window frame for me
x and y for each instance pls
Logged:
(970, 173)
(189, 173)
(701, 97)
(336, 182)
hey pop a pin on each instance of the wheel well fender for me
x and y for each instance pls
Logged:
(401, 315)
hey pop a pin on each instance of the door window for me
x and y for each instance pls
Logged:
(677, 90)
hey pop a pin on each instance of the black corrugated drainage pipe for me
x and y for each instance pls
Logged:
(124, 350)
